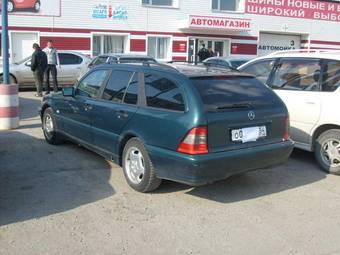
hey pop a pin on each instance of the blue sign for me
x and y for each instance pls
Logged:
(120, 13)
(104, 11)
(100, 12)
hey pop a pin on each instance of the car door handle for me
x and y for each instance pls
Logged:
(88, 107)
(122, 114)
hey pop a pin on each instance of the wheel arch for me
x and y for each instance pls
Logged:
(43, 108)
(321, 129)
(126, 137)
(12, 75)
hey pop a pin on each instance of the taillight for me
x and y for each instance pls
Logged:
(195, 142)
(286, 135)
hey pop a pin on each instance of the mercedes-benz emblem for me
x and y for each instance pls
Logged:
(251, 115)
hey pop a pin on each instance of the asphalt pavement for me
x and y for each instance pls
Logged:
(67, 200)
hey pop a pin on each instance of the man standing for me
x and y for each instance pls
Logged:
(203, 54)
(38, 67)
(53, 62)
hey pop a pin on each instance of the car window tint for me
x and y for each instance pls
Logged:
(261, 70)
(221, 91)
(163, 93)
(131, 95)
(99, 61)
(297, 74)
(69, 59)
(91, 84)
(116, 86)
(331, 76)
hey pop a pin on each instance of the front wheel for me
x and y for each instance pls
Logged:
(49, 128)
(138, 168)
(37, 6)
(327, 151)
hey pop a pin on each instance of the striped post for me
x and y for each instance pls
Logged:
(9, 106)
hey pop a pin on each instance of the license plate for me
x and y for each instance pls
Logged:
(250, 134)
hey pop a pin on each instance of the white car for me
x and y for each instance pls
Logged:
(309, 84)
(68, 72)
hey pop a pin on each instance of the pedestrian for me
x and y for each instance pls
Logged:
(38, 67)
(52, 63)
(203, 53)
(211, 52)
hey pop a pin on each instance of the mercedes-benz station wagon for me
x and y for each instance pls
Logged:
(193, 125)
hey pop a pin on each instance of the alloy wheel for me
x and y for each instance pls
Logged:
(331, 152)
(134, 163)
(48, 126)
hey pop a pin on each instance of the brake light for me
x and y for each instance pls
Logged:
(195, 142)
(286, 135)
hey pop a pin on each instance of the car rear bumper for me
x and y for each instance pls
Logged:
(203, 169)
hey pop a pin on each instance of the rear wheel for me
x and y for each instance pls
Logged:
(10, 6)
(138, 168)
(49, 128)
(327, 151)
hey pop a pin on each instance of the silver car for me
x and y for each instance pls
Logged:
(71, 63)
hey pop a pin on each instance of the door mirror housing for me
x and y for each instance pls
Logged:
(68, 91)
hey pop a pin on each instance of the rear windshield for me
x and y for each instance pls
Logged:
(226, 92)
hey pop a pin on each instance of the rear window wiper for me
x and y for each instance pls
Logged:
(234, 106)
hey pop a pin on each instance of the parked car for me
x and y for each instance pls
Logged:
(193, 126)
(70, 65)
(115, 58)
(14, 5)
(308, 82)
(226, 62)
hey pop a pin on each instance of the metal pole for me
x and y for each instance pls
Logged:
(4, 40)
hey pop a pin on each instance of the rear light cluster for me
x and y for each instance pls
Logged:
(286, 135)
(195, 142)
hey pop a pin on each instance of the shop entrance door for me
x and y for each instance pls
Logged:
(221, 48)
(22, 45)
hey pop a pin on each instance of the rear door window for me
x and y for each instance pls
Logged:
(163, 93)
(261, 70)
(131, 94)
(297, 74)
(232, 92)
(69, 59)
(115, 89)
(331, 76)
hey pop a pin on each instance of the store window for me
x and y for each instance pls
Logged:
(103, 44)
(159, 47)
(159, 2)
(228, 5)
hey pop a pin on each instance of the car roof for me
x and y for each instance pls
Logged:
(190, 71)
(125, 55)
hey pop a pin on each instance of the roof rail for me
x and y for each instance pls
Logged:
(315, 51)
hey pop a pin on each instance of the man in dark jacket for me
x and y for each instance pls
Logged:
(38, 67)
(203, 54)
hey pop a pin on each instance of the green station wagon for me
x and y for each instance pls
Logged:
(193, 125)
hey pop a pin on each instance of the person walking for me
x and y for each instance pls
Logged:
(52, 63)
(38, 67)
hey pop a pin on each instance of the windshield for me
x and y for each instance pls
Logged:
(237, 63)
(224, 92)
(22, 61)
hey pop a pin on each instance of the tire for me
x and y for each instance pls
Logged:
(327, 151)
(12, 79)
(10, 6)
(49, 126)
(37, 6)
(138, 168)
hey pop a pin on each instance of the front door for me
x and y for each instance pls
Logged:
(297, 83)
(22, 45)
(221, 48)
(76, 113)
(116, 107)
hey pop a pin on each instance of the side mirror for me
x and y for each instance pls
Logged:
(68, 91)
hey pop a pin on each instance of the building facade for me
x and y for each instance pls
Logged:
(175, 29)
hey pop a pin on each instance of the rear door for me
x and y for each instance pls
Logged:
(117, 105)
(237, 105)
(297, 82)
(70, 67)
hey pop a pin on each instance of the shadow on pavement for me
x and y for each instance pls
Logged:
(300, 170)
(29, 106)
(38, 179)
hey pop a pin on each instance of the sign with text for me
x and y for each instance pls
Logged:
(107, 11)
(305, 9)
(222, 23)
(269, 43)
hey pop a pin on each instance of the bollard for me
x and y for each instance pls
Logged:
(9, 106)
